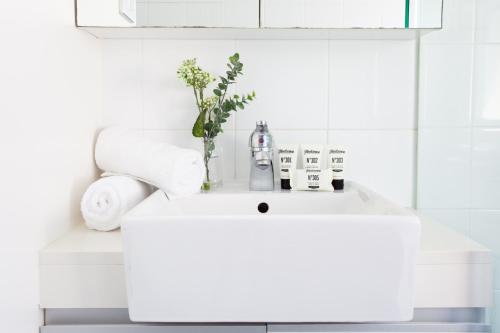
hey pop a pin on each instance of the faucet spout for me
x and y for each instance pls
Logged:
(261, 158)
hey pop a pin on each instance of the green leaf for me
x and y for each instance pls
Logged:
(217, 92)
(209, 126)
(234, 58)
(198, 127)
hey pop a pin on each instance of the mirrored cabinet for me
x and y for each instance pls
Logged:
(347, 14)
(332, 13)
(266, 14)
(198, 13)
(168, 13)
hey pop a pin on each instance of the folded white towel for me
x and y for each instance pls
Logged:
(176, 171)
(109, 198)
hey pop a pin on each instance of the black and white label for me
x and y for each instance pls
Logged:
(287, 157)
(311, 156)
(336, 160)
(312, 180)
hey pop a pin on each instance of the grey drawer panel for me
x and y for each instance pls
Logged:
(87, 317)
(134, 328)
(396, 327)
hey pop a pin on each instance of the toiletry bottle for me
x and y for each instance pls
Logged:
(312, 180)
(287, 158)
(336, 162)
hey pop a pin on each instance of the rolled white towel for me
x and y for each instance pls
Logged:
(174, 170)
(109, 198)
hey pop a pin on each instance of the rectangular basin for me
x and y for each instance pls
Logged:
(312, 257)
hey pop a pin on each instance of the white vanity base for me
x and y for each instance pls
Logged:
(84, 269)
(82, 289)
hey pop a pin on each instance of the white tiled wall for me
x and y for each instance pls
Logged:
(357, 93)
(445, 85)
(459, 125)
(291, 80)
(372, 85)
(486, 98)
(444, 168)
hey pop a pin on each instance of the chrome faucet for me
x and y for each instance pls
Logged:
(261, 158)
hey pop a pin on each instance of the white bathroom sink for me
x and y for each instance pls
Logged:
(313, 257)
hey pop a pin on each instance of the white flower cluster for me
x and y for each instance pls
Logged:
(208, 103)
(193, 75)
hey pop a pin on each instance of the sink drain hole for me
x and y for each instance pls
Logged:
(263, 207)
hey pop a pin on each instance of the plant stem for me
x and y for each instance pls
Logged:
(207, 172)
(197, 100)
(206, 159)
(221, 100)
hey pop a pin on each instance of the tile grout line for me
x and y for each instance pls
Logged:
(143, 102)
(471, 119)
(328, 85)
(235, 127)
(390, 130)
(417, 67)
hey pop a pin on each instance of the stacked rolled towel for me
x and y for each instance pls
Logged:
(109, 198)
(176, 171)
(134, 162)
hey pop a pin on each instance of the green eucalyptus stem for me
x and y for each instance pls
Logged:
(220, 100)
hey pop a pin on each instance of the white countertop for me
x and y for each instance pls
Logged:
(81, 246)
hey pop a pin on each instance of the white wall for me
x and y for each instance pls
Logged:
(459, 125)
(357, 93)
(50, 105)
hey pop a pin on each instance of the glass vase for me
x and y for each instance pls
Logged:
(212, 158)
